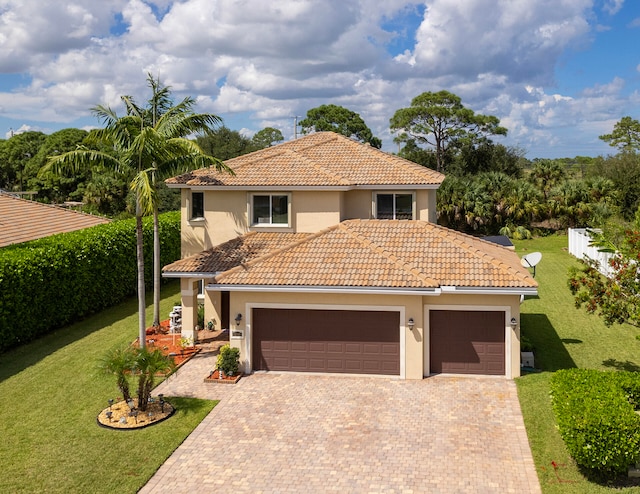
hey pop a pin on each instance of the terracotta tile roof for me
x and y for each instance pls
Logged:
(22, 220)
(233, 253)
(323, 159)
(382, 254)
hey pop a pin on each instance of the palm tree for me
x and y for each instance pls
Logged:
(144, 144)
(119, 362)
(171, 124)
(149, 363)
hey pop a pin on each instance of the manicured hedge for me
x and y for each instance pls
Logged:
(48, 283)
(597, 420)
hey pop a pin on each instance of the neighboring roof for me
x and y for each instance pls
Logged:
(233, 253)
(392, 254)
(22, 220)
(323, 159)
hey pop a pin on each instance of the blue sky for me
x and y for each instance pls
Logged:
(557, 74)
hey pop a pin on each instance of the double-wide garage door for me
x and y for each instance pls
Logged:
(467, 342)
(334, 341)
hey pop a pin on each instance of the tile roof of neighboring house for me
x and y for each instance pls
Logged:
(233, 253)
(323, 159)
(22, 220)
(382, 254)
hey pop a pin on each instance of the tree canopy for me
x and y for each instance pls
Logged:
(267, 137)
(439, 119)
(341, 120)
(625, 135)
(614, 298)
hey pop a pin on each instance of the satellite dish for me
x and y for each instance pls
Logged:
(531, 261)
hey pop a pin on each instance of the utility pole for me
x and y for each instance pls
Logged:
(295, 126)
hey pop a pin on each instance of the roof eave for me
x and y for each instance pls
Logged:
(339, 188)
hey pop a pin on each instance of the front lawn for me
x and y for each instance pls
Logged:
(563, 337)
(51, 395)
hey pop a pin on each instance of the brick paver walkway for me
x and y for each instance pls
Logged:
(283, 433)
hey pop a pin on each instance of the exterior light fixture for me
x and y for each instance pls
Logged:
(238, 319)
(514, 323)
(411, 323)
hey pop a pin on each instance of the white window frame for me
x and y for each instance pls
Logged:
(270, 224)
(394, 193)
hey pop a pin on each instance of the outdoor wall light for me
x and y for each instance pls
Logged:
(514, 323)
(411, 323)
(238, 319)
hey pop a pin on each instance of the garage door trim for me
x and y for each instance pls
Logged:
(379, 308)
(478, 308)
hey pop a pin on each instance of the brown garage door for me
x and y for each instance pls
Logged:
(467, 342)
(335, 341)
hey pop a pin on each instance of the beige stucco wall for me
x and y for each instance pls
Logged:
(356, 204)
(414, 343)
(226, 214)
(426, 205)
(313, 211)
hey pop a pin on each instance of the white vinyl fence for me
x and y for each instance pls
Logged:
(579, 247)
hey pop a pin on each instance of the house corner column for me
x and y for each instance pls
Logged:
(189, 295)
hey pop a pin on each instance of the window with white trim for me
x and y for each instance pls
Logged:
(270, 209)
(197, 205)
(394, 206)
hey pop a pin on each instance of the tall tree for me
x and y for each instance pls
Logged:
(625, 135)
(439, 119)
(341, 120)
(18, 151)
(614, 298)
(267, 137)
(225, 143)
(138, 147)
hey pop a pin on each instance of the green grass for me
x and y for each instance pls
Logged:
(52, 392)
(563, 337)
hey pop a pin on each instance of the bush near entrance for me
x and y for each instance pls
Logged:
(596, 415)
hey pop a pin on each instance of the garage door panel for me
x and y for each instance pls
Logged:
(326, 341)
(467, 342)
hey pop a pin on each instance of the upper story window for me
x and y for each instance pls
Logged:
(197, 205)
(270, 209)
(394, 206)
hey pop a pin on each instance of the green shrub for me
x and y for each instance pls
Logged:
(597, 420)
(48, 283)
(228, 360)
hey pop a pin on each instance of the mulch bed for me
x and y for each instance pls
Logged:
(214, 377)
(122, 418)
(168, 343)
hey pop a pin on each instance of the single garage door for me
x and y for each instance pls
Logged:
(333, 341)
(467, 342)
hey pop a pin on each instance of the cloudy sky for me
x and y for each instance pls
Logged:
(558, 73)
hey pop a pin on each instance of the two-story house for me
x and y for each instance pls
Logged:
(323, 255)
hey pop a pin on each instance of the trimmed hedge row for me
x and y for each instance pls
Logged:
(48, 283)
(596, 416)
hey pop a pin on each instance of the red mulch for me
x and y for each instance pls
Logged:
(168, 343)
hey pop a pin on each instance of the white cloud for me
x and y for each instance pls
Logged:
(273, 60)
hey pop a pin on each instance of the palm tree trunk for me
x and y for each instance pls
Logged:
(156, 268)
(141, 292)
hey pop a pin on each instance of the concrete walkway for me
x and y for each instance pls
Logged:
(282, 433)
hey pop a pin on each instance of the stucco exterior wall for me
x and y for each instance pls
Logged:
(426, 205)
(414, 343)
(315, 210)
(357, 204)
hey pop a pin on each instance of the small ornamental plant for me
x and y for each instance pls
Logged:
(228, 360)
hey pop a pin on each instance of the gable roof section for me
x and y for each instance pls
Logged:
(323, 159)
(378, 254)
(233, 253)
(22, 220)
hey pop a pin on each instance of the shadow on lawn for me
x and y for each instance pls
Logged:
(621, 366)
(18, 359)
(550, 352)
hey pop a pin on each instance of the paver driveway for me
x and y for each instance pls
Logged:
(285, 433)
